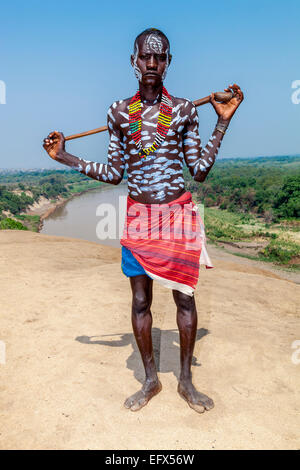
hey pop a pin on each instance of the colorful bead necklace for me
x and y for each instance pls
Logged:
(163, 122)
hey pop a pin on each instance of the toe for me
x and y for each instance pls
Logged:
(209, 404)
(128, 403)
(205, 401)
(139, 404)
(197, 407)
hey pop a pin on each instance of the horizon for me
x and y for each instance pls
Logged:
(66, 168)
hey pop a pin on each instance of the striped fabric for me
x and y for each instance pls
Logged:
(168, 240)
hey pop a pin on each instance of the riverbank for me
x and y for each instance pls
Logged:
(70, 347)
(245, 234)
(45, 207)
(28, 197)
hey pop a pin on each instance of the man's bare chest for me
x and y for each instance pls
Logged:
(149, 121)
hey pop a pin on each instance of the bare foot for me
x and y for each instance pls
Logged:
(139, 399)
(196, 400)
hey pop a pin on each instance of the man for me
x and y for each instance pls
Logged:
(152, 135)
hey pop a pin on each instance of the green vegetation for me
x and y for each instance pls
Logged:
(267, 187)
(12, 202)
(82, 186)
(287, 201)
(32, 221)
(11, 224)
(256, 201)
(281, 251)
(19, 190)
(222, 226)
(225, 226)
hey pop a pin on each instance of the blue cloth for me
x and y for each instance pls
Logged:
(130, 266)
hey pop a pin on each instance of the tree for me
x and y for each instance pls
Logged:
(287, 201)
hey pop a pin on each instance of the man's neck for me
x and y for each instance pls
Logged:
(150, 93)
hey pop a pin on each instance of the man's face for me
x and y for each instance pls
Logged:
(151, 60)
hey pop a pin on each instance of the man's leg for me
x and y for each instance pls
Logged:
(141, 287)
(187, 325)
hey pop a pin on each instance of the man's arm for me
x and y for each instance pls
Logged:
(200, 160)
(110, 172)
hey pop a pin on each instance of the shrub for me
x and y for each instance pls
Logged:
(281, 251)
(11, 224)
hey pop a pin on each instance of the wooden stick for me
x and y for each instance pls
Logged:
(221, 96)
(83, 134)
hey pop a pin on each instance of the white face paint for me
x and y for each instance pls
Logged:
(136, 69)
(167, 66)
(153, 44)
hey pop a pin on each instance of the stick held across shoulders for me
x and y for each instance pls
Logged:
(219, 96)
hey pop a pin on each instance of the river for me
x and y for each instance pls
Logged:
(92, 216)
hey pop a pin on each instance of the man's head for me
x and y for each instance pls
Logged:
(151, 56)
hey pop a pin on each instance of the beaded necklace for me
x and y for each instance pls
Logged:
(163, 122)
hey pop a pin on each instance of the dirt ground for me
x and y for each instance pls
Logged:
(71, 358)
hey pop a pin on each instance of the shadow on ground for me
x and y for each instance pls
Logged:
(134, 363)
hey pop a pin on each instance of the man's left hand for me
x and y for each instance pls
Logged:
(226, 110)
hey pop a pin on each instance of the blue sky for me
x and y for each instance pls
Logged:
(64, 62)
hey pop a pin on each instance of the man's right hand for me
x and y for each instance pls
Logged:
(54, 144)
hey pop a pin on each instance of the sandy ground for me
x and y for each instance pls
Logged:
(71, 358)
